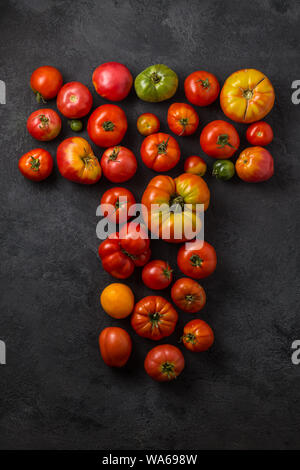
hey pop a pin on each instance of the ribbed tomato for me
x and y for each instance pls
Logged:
(188, 295)
(160, 152)
(164, 363)
(182, 119)
(197, 336)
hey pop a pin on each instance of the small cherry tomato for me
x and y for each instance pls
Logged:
(117, 300)
(223, 169)
(182, 119)
(76, 125)
(188, 295)
(107, 125)
(115, 346)
(195, 165)
(118, 164)
(160, 152)
(74, 100)
(201, 88)
(121, 200)
(197, 259)
(36, 165)
(255, 165)
(157, 274)
(219, 139)
(44, 124)
(112, 81)
(46, 82)
(134, 238)
(197, 336)
(164, 363)
(147, 124)
(259, 133)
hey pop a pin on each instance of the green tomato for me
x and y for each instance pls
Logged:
(76, 125)
(223, 170)
(156, 83)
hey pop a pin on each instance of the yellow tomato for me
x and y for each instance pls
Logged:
(117, 300)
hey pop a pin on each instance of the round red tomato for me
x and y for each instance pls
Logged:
(118, 164)
(120, 200)
(188, 295)
(115, 346)
(219, 139)
(160, 152)
(74, 100)
(134, 238)
(44, 124)
(46, 82)
(147, 124)
(197, 336)
(259, 133)
(201, 88)
(197, 259)
(255, 165)
(182, 119)
(107, 125)
(164, 363)
(36, 165)
(112, 81)
(195, 165)
(157, 274)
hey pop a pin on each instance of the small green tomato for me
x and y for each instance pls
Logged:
(76, 125)
(223, 170)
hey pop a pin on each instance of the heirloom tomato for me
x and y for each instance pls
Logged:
(259, 133)
(156, 83)
(118, 164)
(36, 165)
(107, 125)
(182, 119)
(112, 81)
(117, 300)
(121, 200)
(197, 259)
(254, 165)
(115, 346)
(46, 82)
(188, 295)
(76, 125)
(160, 152)
(223, 170)
(74, 100)
(195, 165)
(134, 238)
(201, 88)
(44, 124)
(219, 139)
(157, 274)
(147, 124)
(164, 362)
(197, 336)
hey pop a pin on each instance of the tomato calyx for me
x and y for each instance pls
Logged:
(189, 298)
(248, 94)
(162, 147)
(204, 83)
(108, 126)
(189, 338)
(167, 368)
(44, 121)
(177, 202)
(155, 77)
(167, 272)
(196, 261)
(40, 98)
(35, 164)
(223, 140)
(114, 155)
(183, 122)
(154, 318)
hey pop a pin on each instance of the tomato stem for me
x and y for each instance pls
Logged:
(162, 147)
(168, 369)
(189, 338)
(40, 98)
(114, 155)
(205, 83)
(155, 77)
(154, 318)
(44, 121)
(189, 298)
(35, 164)
(223, 139)
(167, 272)
(108, 126)
(196, 261)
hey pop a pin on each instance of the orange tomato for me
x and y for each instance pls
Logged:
(147, 124)
(195, 165)
(117, 300)
(182, 119)
(254, 165)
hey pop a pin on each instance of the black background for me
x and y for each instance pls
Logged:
(55, 391)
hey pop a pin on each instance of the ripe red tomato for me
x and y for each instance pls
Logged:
(121, 200)
(255, 165)
(182, 119)
(201, 88)
(147, 124)
(259, 133)
(164, 363)
(46, 82)
(118, 164)
(36, 165)
(197, 336)
(197, 261)
(157, 274)
(112, 81)
(195, 165)
(219, 139)
(115, 346)
(188, 295)
(134, 238)
(44, 124)
(154, 318)
(107, 125)
(74, 100)
(160, 152)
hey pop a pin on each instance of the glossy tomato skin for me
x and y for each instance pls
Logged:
(160, 152)
(36, 165)
(188, 295)
(201, 88)
(164, 363)
(118, 164)
(121, 199)
(44, 124)
(255, 165)
(115, 346)
(157, 274)
(46, 81)
(156, 83)
(223, 170)
(107, 125)
(182, 119)
(117, 300)
(195, 165)
(74, 100)
(154, 318)
(219, 139)
(197, 336)
(112, 81)
(259, 133)
(197, 261)
(147, 124)
(134, 238)
(77, 162)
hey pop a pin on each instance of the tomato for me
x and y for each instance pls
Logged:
(46, 82)
(171, 206)
(160, 152)
(147, 124)
(254, 165)
(219, 139)
(156, 83)
(197, 336)
(154, 318)
(77, 162)
(195, 165)
(201, 88)
(223, 170)
(182, 119)
(117, 300)
(76, 125)
(188, 295)
(36, 165)
(164, 363)
(247, 96)
(74, 100)
(112, 81)
(259, 133)
(118, 164)
(121, 199)
(115, 346)
(134, 238)
(44, 124)
(107, 125)
(157, 274)
(197, 261)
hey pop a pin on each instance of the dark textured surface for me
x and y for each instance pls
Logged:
(55, 391)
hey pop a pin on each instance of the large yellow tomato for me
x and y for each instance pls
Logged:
(117, 300)
(247, 96)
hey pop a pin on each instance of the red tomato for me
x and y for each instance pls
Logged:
(118, 164)
(164, 363)
(188, 295)
(219, 139)
(77, 162)
(134, 238)
(121, 200)
(182, 119)
(147, 124)
(74, 100)
(157, 274)
(46, 82)
(254, 165)
(259, 133)
(107, 125)
(197, 336)
(195, 165)
(112, 81)
(201, 88)
(115, 346)
(44, 124)
(160, 152)
(197, 261)
(36, 165)
(154, 318)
